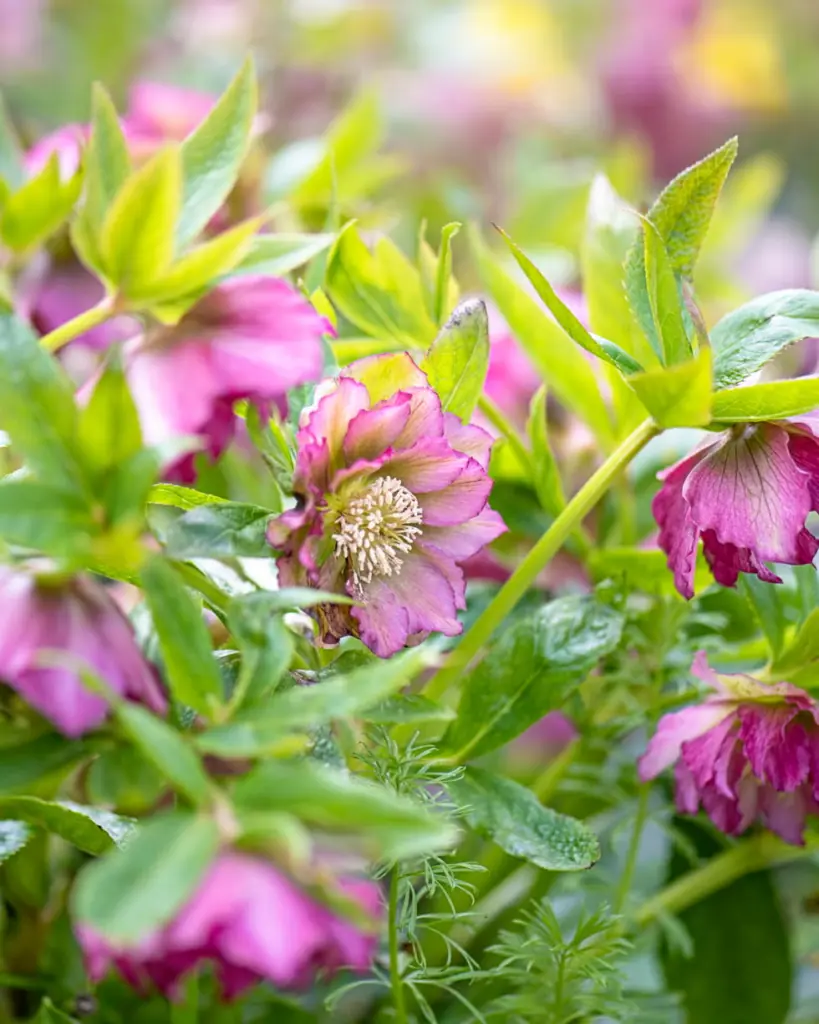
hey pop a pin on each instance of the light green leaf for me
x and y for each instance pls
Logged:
(278, 254)
(89, 828)
(183, 638)
(131, 892)
(137, 240)
(42, 205)
(770, 400)
(444, 284)
(746, 339)
(228, 529)
(50, 1014)
(109, 431)
(512, 816)
(802, 651)
(181, 497)
(265, 643)
(107, 163)
(408, 707)
(213, 154)
(664, 298)
(458, 359)
(13, 837)
(677, 396)
(645, 569)
(545, 471)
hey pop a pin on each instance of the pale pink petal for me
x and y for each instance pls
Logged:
(676, 728)
(468, 538)
(469, 439)
(374, 430)
(462, 500)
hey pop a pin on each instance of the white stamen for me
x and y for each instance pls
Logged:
(377, 529)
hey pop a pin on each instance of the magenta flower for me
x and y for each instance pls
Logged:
(67, 142)
(392, 496)
(747, 496)
(750, 750)
(253, 923)
(75, 618)
(250, 338)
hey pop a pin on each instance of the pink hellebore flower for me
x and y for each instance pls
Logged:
(392, 496)
(747, 495)
(250, 338)
(161, 112)
(253, 923)
(77, 619)
(67, 142)
(751, 750)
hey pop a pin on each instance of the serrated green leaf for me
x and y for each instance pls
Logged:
(13, 837)
(91, 829)
(228, 529)
(278, 254)
(529, 670)
(183, 638)
(458, 359)
(137, 239)
(664, 298)
(677, 396)
(749, 337)
(545, 471)
(107, 163)
(512, 816)
(213, 154)
(39, 207)
(130, 893)
(770, 400)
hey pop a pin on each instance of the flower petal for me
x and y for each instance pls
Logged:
(676, 728)
(374, 430)
(775, 745)
(469, 439)
(430, 465)
(462, 500)
(468, 538)
(678, 532)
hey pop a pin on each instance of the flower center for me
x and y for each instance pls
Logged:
(377, 529)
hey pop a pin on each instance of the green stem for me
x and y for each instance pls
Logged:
(496, 417)
(93, 317)
(540, 555)
(198, 581)
(396, 981)
(624, 886)
(762, 851)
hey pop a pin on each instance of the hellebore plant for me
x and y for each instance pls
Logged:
(263, 740)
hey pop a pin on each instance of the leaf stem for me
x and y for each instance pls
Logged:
(93, 317)
(549, 544)
(624, 886)
(499, 421)
(396, 980)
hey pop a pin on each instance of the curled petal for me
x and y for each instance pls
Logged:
(677, 728)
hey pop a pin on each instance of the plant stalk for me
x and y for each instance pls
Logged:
(396, 980)
(71, 329)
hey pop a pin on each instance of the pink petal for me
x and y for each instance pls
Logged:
(374, 430)
(468, 439)
(676, 728)
(678, 532)
(426, 418)
(774, 744)
(784, 813)
(461, 501)
(707, 754)
(430, 465)
(467, 539)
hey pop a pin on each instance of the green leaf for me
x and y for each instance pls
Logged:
(768, 609)
(109, 431)
(291, 598)
(677, 396)
(392, 826)
(530, 670)
(24, 764)
(770, 400)
(124, 779)
(13, 837)
(35, 211)
(512, 816)
(664, 298)
(213, 154)
(89, 828)
(134, 891)
(458, 359)
(545, 471)
(107, 163)
(278, 254)
(50, 1014)
(265, 643)
(739, 970)
(257, 729)
(561, 364)
(683, 210)
(165, 748)
(803, 650)
(37, 406)
(228, 529)
(443, 274)
(746, 339)
(379, 292)
(192, 672)
(643, 568)
(12, 167)
(408, 707)
(137, 242)
(181, 497)
(48, 520)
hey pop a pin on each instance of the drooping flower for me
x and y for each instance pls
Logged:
(749, 751)
(77, 619)
(253, 923)
(250, 338)
(747, 495)
(392, 496)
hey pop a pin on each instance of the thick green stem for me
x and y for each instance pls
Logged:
(396, 981)
(540, 555)
(60, 336)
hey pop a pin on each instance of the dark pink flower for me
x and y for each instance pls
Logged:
(250, 338)
(253, 923)
(749, 751)
(747, 496)
(392, 496)
(75, 618)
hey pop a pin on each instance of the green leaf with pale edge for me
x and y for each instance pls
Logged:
(13, 837)
(278, 254)
(389, 825)
(545, 471)
(677, 396)
(513, 818)
(664, 298)
(42, 205)
(213, 154)
(558, 360)
(257, 729)
(91, 829)
(770, 400)
(137, 243)
(134, 891)
(24, 764)
(192, 673)
(458, 359)
(225, 530)
(749, 337)
(107, 163)
(530, 670)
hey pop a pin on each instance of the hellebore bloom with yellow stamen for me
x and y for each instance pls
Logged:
(747, 495)
(392, 495)
(749, 751)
